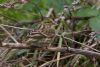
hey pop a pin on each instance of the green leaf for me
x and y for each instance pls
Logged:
(87, 11)
(1, 1)
(95, 24)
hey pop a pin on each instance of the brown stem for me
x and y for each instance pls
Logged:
(57, 49)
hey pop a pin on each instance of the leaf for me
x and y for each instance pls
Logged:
(1, 1)
(20, 52)
(95, 25)
(87, 11)
(56, 4)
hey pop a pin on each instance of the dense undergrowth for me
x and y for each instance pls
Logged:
(49, 33)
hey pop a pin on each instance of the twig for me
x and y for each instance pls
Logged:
(9, 34)
(79, 18)
(56, 49)
(16, 27)
(50, 12)
(76, 51)
(82, 44)
(44, 65)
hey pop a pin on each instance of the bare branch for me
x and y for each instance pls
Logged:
(9, 34)
(16, 27)
(43, 65)
(55, 49)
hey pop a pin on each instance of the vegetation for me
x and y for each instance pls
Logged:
(49, 33)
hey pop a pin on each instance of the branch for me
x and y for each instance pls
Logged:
(75, 51)
(8, 34)
(9, 26)
(54, 49)
(55, 60)
(79, 18)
